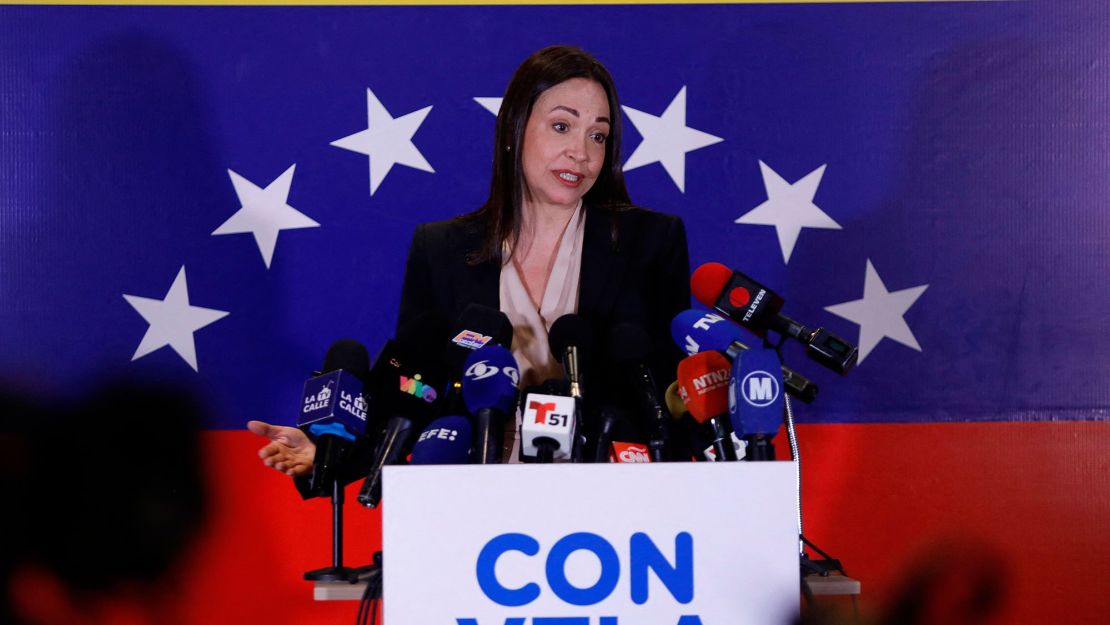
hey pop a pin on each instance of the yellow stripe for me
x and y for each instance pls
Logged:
(452, 2)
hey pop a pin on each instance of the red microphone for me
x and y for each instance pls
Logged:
(703, 386)
(738, 297)
(757, 308)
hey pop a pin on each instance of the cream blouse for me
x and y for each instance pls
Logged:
(530, 326)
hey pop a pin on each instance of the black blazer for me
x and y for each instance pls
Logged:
(641, 276)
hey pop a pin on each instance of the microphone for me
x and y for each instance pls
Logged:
(703, 385)
(405, 389)
(755, 401)
(445, 441)
(684, 430)
(675, 405)
(698, 330)
(478, 326)
(333, 409)
(756, 307)
(628, 453)
(572, 340)
(691, 434)
(629, 348)
(611, 419)
(547, 429)
(489, 389)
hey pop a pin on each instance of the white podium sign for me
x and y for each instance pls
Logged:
(590, 544)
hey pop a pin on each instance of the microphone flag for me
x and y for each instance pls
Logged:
(445, 441)
(333, 399)
(755, 401)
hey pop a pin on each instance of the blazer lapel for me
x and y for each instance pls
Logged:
(479, 284)
(603, 265)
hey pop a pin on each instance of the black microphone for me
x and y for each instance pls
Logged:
(757, 307)
(630, 348)
(571, 339)
(405, 388)
(477, 327)
(333, 409)
(611, 420)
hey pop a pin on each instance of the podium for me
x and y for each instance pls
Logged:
(588, 544)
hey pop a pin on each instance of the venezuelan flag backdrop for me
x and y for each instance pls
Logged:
(214, 194)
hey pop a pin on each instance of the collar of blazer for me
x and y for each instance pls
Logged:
(603, 267)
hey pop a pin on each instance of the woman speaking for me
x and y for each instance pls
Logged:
(558, 234)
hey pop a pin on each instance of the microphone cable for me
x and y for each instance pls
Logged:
(371, 601)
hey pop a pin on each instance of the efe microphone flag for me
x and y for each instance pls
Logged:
(445, 441)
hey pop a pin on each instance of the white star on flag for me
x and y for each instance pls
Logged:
(387, 141)
(493, 105)
(667, 139)
(789, 208)
(879, 313)
(264, 212)
(172, 321)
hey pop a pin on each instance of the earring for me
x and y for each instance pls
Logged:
(508, 148)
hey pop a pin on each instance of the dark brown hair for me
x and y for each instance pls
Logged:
(500, 216)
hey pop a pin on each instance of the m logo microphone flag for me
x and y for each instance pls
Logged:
(760, 388)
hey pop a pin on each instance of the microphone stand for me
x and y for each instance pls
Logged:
(809, 566)
(337, 572)
(660, 418)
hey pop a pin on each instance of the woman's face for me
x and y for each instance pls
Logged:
(564, 143)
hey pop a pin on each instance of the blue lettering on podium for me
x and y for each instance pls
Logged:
(679, 579)
(556, 569)
(644, 556)
(487, 561)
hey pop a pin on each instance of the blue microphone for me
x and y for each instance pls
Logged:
(489, 390)
(700, 330)
(333, 409)
(755, 400)
(445, 441)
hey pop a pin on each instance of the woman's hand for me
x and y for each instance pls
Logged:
(290, 450)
